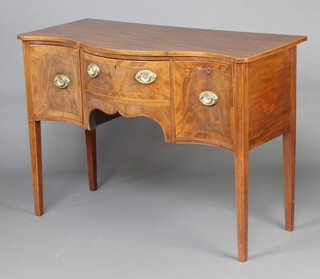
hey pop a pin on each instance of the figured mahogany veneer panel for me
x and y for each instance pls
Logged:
(117, 78)
(159, 113)
(115, 91)
(48, 101)
(269, 97)
(195, 121)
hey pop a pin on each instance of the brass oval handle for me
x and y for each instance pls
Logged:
(93, 70)
(61, 81)
(208, 98)
(146, 76)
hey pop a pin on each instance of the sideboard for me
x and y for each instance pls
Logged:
(234, 90)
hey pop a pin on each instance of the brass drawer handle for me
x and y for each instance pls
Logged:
(208, 98)
(93, 70)
(146, 76)
(61, 81)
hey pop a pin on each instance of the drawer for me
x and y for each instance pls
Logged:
(195, 121)
(55, 83)
(117, 78)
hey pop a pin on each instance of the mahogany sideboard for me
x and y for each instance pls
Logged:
(234, 90)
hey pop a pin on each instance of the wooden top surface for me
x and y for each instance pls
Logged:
(153, 40)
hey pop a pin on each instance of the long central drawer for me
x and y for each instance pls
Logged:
(126, 79)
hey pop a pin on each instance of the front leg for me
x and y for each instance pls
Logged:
(36, 165)
(241, 165)
(241, 156)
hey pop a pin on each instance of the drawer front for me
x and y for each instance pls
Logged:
(195, 120)
(116, 79)
(50, 63)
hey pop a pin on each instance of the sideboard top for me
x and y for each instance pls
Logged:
(153, 40)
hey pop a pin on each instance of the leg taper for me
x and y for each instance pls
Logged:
(91, 158)
(289, 153)
(289, 143)
(36, 165)
(241, 155)
(241, 160)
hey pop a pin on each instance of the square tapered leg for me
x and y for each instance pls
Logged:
(91, 158)
(241, 160)
(289, 179)
(36, 165)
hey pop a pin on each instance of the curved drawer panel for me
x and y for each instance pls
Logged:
(203, 98)
(117, 78)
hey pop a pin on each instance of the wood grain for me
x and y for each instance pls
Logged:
(34, 139)
(111, 37)
(289, 151)
(117, 79)
(160, 113)
(195, 121)
(241, 156)
(36, 165)
(48, 101)
(91, 158)
(270, 97)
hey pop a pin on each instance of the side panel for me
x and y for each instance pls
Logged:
(269, 97)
